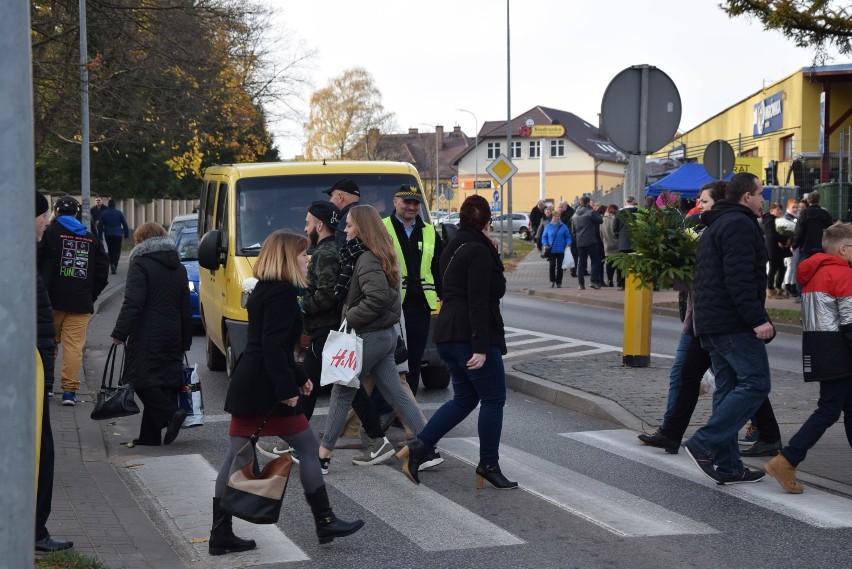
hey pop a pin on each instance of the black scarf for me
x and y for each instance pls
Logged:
(348, 255)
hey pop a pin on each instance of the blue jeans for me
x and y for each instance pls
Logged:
(742, 384)
(485, 386)
(674, 375)
(585, 253)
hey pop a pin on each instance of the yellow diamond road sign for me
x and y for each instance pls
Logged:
(502, 169)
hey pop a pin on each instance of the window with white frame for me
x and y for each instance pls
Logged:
(493, 150)
(516, 149)
(535, 148)
(557, 147)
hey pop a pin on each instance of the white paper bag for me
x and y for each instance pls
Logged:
(341, 358)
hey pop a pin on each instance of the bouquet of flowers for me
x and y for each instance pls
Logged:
(784, 226)
(664, 245)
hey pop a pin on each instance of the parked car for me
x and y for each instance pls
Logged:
(181, 222)
(450, 218)
(187, 246)
(437, 216)
(520, 224)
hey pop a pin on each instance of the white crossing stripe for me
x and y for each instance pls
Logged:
(425, 517)
(183, 487)
(537, 350)
(565, 342)
(814, 507)
(613, 509)
(319, 411)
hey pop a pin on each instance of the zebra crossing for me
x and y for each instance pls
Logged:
(442, 524)
(521, 342)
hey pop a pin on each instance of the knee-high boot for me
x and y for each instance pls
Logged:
(222, 538)
(328, 525)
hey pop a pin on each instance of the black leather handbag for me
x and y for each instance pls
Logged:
(118, 401)
(400, 353)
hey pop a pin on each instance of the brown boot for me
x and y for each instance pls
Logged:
(781, 470)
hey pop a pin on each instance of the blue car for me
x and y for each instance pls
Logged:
(187, 246)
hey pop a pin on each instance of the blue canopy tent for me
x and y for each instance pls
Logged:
(685, 181)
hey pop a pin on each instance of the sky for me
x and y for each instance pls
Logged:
(429, 59)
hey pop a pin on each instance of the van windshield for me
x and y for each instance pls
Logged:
(281, 202)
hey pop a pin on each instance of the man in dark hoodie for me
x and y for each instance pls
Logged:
(75, 270)
(731, 321)
(584, 230)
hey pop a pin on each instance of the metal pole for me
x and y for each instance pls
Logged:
(85, 181)
(437, 163)
(17, 304)
(509, 117)
(475, 149)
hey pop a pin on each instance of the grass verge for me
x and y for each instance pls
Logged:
(520, 248)
(68, 559)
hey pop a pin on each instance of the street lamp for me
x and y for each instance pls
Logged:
(437, 164)
(475, 150)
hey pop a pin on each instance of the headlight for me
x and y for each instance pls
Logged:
(191, 286)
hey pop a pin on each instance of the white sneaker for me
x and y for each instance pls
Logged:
(379, 451)
(434, 458)
(275, 450)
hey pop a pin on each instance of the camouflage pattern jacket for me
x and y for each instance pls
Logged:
(320, 305)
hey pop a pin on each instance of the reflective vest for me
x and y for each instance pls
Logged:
(427, 280)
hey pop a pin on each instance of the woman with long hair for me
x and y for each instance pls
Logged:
(471, 340)
(369, 287)
(156, 323)
(267, 373)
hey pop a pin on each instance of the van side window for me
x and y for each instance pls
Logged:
(209, 203)
(222, 213)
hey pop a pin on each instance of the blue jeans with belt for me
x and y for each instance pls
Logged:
(742, 384)
(485, 386)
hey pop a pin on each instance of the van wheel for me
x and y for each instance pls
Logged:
(435, 377)
(230, 358)
(215, 358)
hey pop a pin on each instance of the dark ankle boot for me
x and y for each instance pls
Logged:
(491, 472)
(328, 525)
(412, 456)
(222, 538)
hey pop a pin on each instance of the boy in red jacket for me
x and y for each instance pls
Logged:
(826, 279)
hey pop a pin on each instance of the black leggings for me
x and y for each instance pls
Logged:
(775, 277)
(305, 444)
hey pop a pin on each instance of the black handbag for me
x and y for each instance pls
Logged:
(400, 353)
(252, 494)
(118, 401)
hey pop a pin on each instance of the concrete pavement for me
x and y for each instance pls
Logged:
(93, 506)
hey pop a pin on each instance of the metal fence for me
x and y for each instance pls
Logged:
(137, 212)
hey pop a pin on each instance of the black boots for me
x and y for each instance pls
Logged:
(412, 456)
(222, 538)
(491, 472)
(328, 525)
(659, 440)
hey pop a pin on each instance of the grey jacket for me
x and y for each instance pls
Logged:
(585, 226)
(371, 303)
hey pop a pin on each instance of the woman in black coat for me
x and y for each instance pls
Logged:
(471, 340)
(267, 382)
(156, 323)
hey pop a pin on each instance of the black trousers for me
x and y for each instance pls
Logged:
(160, 404)
(114, 246)
(775, 277)
(556, 267)
(44, 490)
(417, 322)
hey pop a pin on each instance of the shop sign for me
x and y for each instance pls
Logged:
(769, 114)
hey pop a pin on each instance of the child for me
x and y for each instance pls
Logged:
(826, 279)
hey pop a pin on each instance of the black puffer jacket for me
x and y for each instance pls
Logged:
(45, 332)
(730, 272)
(155, 320)
(808, 234)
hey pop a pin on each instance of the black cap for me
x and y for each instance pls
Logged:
(41, 203)
(345, 185)
(326, 212)
(67, 206)
(407, 192)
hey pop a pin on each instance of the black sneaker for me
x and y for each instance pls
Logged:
(744, 477)
(432, 458)
(325, 464)
(762, 448)
(702, 461)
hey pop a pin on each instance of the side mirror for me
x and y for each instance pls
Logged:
(210, 250)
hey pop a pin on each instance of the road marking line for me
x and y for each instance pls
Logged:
(814, 507)
(533, 341)
(615, 510)
(438, 523)
(183, 487)
(538, 350)
(566, 340)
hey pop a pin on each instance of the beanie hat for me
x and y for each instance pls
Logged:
(41, 204)
(67, 206)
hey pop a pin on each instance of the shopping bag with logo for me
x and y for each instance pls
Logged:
(341, 358)
(189, 397)
(114, 402)
(252, 494)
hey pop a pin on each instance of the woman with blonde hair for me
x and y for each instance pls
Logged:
(267, 373)
(156, 323)
(369, 287)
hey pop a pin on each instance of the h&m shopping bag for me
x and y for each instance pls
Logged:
(341, 358)
(189, 398)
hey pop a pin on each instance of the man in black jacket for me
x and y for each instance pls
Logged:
(46, 344)
(75, 270)
(730, 319)
(813, 220)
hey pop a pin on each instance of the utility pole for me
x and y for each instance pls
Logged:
(17, 304)
(85, 180)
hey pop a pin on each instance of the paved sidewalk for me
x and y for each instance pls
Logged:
(636, 397)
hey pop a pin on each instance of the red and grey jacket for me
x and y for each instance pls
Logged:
(826, 317)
